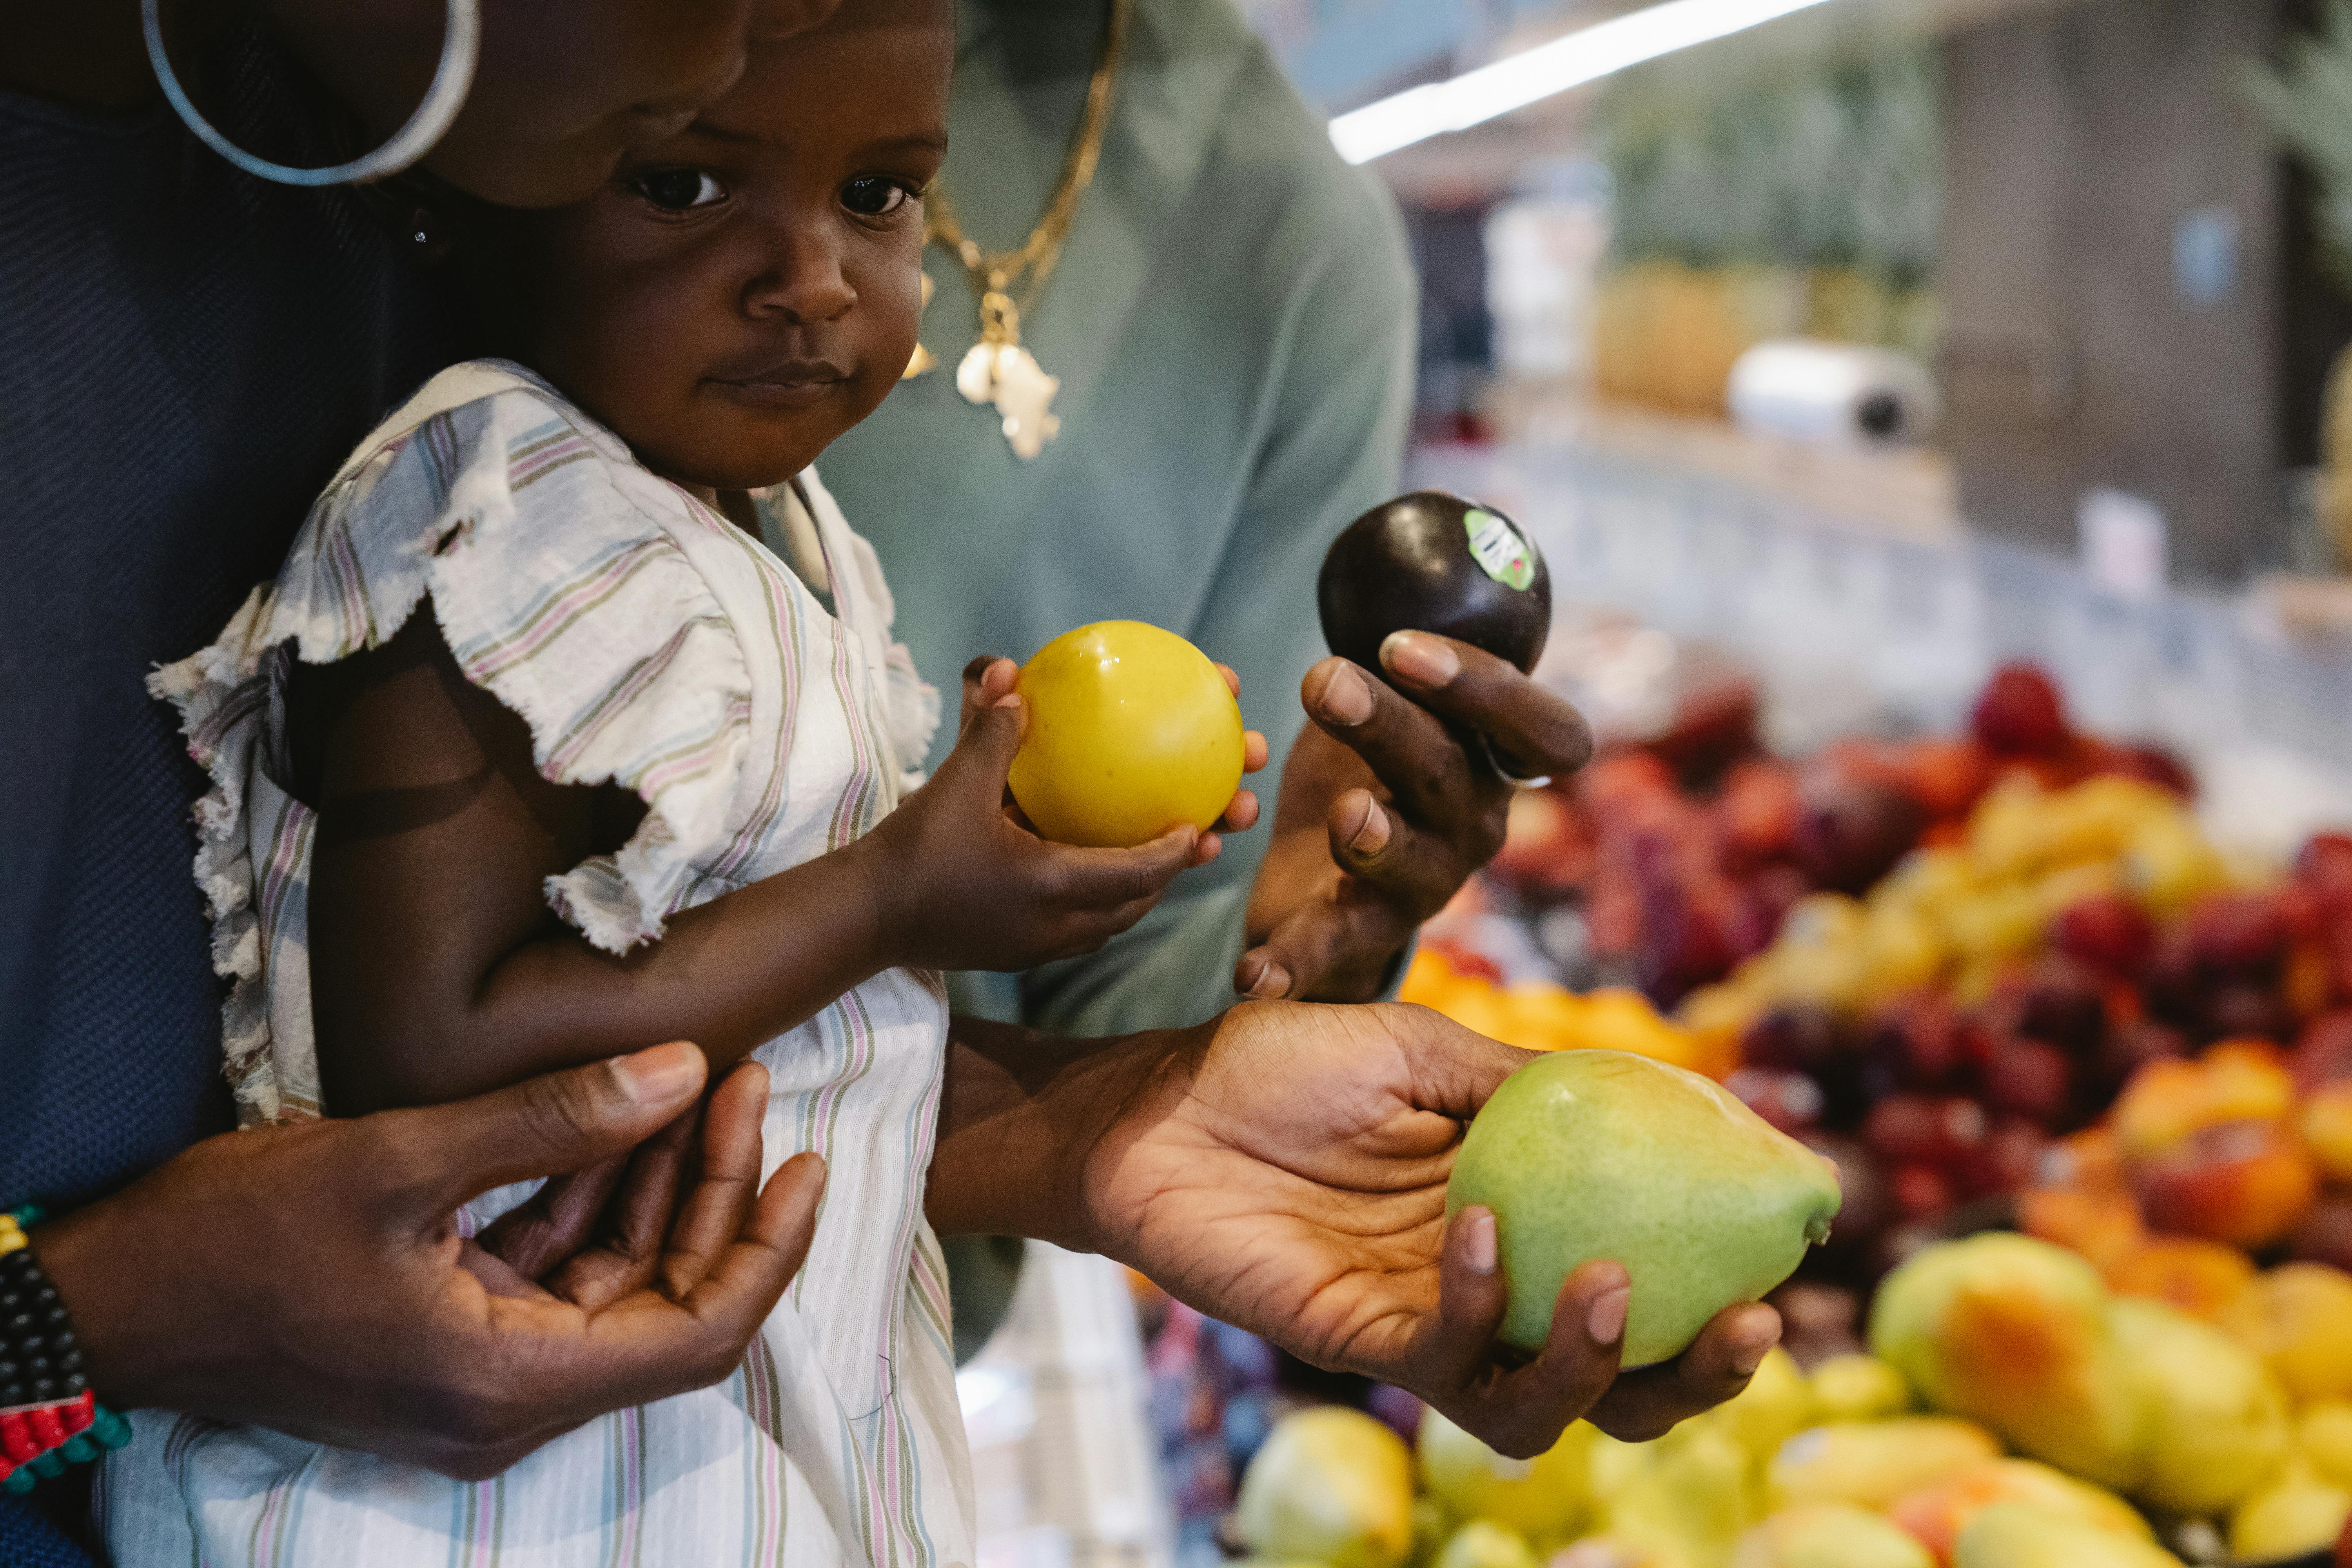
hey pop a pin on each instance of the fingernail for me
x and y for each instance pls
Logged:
(1347, 699)
(1605, 1318)
(659, 1076)
(1479, 1246)
(1373, 835)
(1420, 658)
(1272, 982)
(1747, 1358)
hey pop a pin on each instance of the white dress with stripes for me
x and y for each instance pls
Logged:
(650, 642)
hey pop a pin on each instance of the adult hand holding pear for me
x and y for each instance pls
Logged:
(1284, 1169)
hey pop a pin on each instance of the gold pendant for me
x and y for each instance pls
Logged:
(922, 361)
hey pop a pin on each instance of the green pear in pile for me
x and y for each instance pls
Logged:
(1602, 1154)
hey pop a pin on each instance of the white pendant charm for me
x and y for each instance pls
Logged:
(1009, 376)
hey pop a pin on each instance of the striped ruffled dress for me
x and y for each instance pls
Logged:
(650, 642)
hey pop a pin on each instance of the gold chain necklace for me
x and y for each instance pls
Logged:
(998, 369)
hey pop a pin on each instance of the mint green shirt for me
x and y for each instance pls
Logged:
(1233, 321)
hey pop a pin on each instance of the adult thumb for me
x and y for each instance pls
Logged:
(549, 1125)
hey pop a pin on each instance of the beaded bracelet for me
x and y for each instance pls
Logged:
(48, 1418)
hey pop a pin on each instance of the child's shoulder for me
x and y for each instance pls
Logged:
(490, 416)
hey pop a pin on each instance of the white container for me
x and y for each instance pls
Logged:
(1833, 394)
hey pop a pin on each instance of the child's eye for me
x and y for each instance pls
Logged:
(678, 190)
(873, 196)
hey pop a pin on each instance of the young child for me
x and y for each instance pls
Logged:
(533, 753)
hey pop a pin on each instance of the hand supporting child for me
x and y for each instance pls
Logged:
(961, 879)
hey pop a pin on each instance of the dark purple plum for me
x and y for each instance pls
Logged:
(1435, 562)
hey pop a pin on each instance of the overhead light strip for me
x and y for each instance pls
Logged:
(1571, 60)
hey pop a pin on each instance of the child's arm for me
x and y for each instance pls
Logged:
(437, 969)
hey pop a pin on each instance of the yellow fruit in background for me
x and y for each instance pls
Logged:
(1776, 1405)
(1543, 1498)
(1936, 1515)
(1829, 1535)
(2020, 1535)
(1693, 1496)
(1858, 1387)
(1901, 951)
(1871, 1463)
(2323, 1435)
(2326, 1123)
(2295, 1512)
(2217, 1419)
(2015, 1332)
(1332, 1486)
(1482, 1543)
(1431, 1525)
(2298, 1317)
(1132, 731)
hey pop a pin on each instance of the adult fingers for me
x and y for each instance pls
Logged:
(1232, 677)
(1241, 813)
(1540, 730)
(984, 748)
(535, 1238)
(1453, 1069)
(1407, 747)
(447, 1154)
(1254, 751)
(1522, 1411)
(1416, 869)
(726, 1181)
(1719, 1364)
(1313, 945)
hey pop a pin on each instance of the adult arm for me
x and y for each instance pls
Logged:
(310, 1278)
(1284, 1169)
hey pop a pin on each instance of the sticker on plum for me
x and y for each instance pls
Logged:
(1499, 551)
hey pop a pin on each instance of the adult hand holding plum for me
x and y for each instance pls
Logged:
(960, 880)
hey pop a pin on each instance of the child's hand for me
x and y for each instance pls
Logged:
(961, 881)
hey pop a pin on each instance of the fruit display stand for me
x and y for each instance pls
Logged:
(1054, 1406)
(2014, 897)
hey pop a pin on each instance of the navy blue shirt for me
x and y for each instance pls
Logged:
(185, 356)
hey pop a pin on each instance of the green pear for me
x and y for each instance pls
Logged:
(1332, 1486)
(1777, 1404)
(2294, 1513)
(2020, 1535)
(1829, 1535)
(1587, 1154)
(2217, 1415)
(2016, 1333)
(1544, 1498)
(1482, 1543)
(1689, 1500)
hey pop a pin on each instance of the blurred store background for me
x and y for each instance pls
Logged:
(1934, 415)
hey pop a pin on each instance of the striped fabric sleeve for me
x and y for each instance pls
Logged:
(559, 590)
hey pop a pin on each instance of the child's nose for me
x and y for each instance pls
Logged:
(804, 281)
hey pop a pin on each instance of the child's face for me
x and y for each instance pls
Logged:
(745, 292)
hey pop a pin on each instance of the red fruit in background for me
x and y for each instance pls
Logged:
(2151, 764)
(2010, 1160)
(2248, 1012)
(2128, 1048)
(1755, 814)
(2323, 1054)
(2060, 1002)
(1946, 777)
(2174, 988)
(1548, 849)
(2239, 935)
(2325, 1233)
(1867, 1207)
(1794, 1039)
(2030, 1079)
(1691, 936)
(1850, 834)
(1922, 1192)
(2248, 1183)
(2108, 933)
(1788, 1101)
(1919, 1042)
(1713, 728)
(2021, 713)
(1624, 781)
(1923, 1130)
(2324, 864)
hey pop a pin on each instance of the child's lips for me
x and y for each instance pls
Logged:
(795, 383)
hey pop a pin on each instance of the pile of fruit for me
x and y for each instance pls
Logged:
(2015, 1414)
